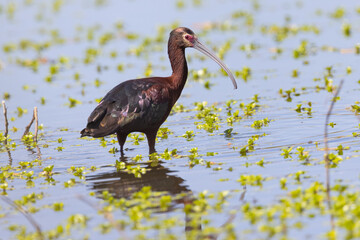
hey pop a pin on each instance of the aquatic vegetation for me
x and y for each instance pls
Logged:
(338, 13)
(355, 108)
(346, 28)
(287, 152)
(302, 50)
(357, 48)
(164, 133)
(300, 109)
(201, 74)
(245, 73)
(251, 146)
(251, 180)
(179, 108)
(137, 138)
(302, 154)
(73, 102)
(280, 33)
(258, 124)
(220, 152)
(189, 135)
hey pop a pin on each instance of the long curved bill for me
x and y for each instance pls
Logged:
(199, 46)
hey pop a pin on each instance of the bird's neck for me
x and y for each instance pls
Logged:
(179, 67)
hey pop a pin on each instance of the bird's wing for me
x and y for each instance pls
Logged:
(132, 105)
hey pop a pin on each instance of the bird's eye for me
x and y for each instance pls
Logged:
(187, 37)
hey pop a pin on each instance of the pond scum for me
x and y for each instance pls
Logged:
(277, 160)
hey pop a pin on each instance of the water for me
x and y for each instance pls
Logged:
(175, 177)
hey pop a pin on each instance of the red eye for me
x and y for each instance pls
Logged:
(188, 37)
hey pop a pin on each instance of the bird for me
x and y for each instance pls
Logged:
(142, 105)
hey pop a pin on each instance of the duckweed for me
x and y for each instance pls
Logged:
(216, 160)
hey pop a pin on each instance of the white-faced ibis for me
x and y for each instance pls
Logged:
(142, 105)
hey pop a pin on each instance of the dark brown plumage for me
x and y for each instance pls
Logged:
(142, 105)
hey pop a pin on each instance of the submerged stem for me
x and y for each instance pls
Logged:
(327, 160)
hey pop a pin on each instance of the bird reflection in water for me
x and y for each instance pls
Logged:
(121, 184)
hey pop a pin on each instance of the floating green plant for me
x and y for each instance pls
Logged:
(258, 124)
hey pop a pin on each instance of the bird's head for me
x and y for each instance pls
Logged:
(184, 37)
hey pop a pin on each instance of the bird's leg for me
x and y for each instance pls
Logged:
(151, 137)
(121, 139)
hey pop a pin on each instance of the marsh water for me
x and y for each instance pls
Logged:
(221, 169)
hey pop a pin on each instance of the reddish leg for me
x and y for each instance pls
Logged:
(151, 137)
(121, 139)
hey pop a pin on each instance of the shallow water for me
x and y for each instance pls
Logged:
(216, 174)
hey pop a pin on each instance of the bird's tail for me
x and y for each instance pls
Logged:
(96, 132)
(86, 132)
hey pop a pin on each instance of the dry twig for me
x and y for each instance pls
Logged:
(34, 118)
(26, 214)
(6, 121)
(27, 128)
(36, 123)
(327, 160)
(6, 133)
(108, 216)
